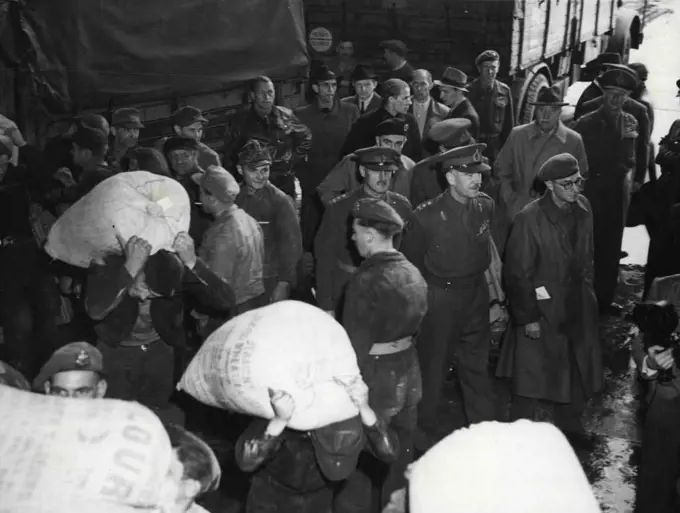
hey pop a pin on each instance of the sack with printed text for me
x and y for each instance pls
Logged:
(153, 207)
(81, 450)
(290, 346)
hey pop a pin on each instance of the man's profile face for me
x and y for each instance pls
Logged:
(78, 384)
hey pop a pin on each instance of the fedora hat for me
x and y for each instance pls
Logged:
(453, 77)
(362, 72)
(322, 73)
(549, 96)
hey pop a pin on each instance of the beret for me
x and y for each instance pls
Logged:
(74, 356)
(487, 56)
(559, 166)
(374, 210)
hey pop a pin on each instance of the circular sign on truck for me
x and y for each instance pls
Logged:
(320, 39)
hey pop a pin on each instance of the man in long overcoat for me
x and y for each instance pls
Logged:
(552, 350)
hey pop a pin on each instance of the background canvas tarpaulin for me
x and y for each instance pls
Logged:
(88, 51)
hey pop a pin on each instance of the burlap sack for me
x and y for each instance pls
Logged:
(290, 346)
(155, 208)
(80, 450)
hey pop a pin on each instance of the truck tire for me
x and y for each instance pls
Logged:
(538, 83)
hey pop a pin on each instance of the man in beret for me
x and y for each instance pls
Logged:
(394, 54)
(275, 212)
(449, 241)
(396, 103)
(384, 304)
(452, 90)
(125, 125)
(364, 81)
(345, 177)
(189, 122)
(599, 65)
(329, 120)
(492, 100)
(525, 151)
(553, 354)
(610, 136)
(425, 109)
(75, 370)
(233, 245)
(428, 182)
(336, 256)
(290, 140)
(641, 115)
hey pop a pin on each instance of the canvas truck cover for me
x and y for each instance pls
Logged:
(86, 52)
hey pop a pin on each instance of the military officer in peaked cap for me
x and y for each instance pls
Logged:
(609, 135)
(448, 240)
(336, 255)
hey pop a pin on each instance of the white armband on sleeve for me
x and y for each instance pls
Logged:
(645, 371)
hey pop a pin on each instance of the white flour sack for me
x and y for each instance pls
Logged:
(289, 346)
(80, 450)
(153, 207)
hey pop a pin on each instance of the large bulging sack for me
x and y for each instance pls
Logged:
(290, 346)
(155, 208)
(527, 467)
(96, 450)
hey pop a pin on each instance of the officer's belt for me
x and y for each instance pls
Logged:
(395, 346)
(455, 282)
(348, 268)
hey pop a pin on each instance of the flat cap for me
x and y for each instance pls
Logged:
(255, 152)
(377, 158)
(452, 133)
(89, 138)
(185, 116)
(393, 126)
(623, 79)
(396, 46)
(218, 182)
(487, 56)
(466, 159)
(180, 143)
(77, 356)
(557, 167)
(377, 211)
(127, 118)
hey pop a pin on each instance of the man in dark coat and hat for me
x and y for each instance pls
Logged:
(553, 353)
(452, 91)
(364, 81)
(594, 90)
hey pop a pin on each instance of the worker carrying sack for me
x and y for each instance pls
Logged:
(290, 346)
(155, 208)
(96, 450)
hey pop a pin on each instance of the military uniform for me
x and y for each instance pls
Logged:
(610, 148)
(336, 254)
(449, 242)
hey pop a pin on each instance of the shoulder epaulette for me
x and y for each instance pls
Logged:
(285, 110)
(398, 196)
(340, 198)
(425, 204)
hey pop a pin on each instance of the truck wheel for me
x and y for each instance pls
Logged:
(538, 83)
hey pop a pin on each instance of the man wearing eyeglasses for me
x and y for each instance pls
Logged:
(553, 353)
(75, 370)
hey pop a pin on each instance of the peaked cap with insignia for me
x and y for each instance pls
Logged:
(466, 159)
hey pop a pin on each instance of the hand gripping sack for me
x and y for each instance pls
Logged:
(92, 450)
(289, 346)
(155, 208)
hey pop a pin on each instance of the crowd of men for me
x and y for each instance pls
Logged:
(411, 190)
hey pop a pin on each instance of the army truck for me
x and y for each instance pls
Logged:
(540, 42)
(61, 57)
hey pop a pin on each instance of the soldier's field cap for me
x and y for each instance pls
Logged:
(77, 356)
(466, 159)
(218, 182)
(89, 138)
(127, 118)
(394, 126)
(180, 143)
(374, 211)
(487, 56)
(557, 167)
(620, 79)
(186, 116)
(377, 158)
(396, 46)
(255, 153)
(451, 132)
